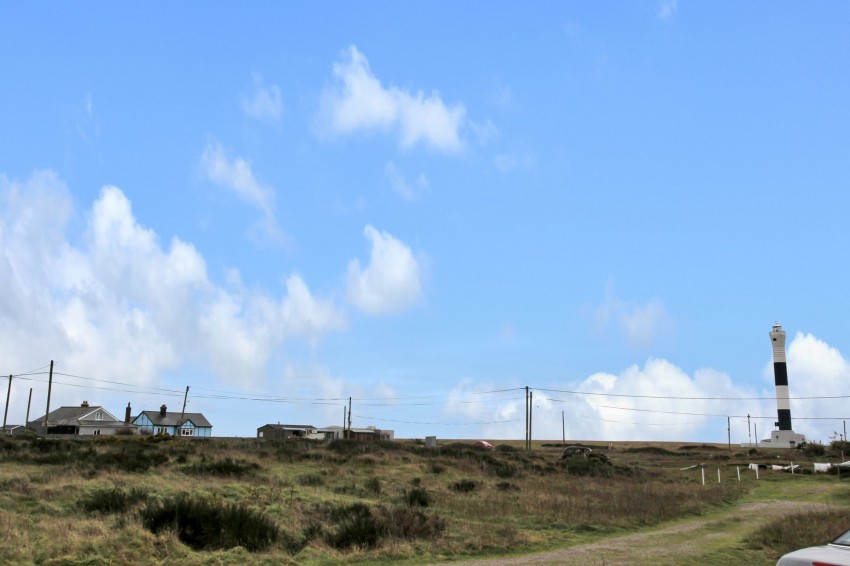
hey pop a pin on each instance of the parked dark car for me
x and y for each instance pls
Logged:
(573, 451)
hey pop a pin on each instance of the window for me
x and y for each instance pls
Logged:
(187, 432)
(98, 416)
(96, 432)
(161, 430)
(261, 434)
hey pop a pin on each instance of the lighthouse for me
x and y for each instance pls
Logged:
(780, 378)
(783, 436)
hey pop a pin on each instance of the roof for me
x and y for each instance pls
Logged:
(170, 419)
(289, 426)
(73, 416)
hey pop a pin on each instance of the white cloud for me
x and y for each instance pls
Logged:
(405, 189)
(390, 283)
(358, 102)
(640, 325)
(236, 174)
(264, 103)
(636, 404)
(121, 305)
(667, 9)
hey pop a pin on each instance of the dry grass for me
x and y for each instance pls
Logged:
(520, 502)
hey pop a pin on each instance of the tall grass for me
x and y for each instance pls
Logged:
(798, 531)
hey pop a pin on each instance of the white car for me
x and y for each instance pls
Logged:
(835, 553)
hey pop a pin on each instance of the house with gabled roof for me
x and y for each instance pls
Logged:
(84, 420)
(192, 425)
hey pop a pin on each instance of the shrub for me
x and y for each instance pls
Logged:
(311, 480)
(204, 525)
(407, 523)
(417, 496)
(812, 449)
(356, 527)
(506, 448)
(507, 486)
(436, 468)
(373, 485)
(222, 468)
(593, 467)
(464, 486)
(132, 457)
(113, 500)
(657, 450)
(359, 526)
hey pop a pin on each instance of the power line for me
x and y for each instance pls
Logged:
(676, 398)
(433, 424)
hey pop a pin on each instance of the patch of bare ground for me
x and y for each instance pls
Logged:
(680, 543)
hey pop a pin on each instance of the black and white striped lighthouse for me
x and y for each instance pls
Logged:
(780, 375)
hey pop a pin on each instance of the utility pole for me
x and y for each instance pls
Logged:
(8, 394)
(344, 414)
(845, 431)
(349, 418)
(756, 428)
(182, 412)
(29, 402)
(563, 429)
(526, 418)
(749, 430)
(49, 387)
(530, 416)
(729, 431)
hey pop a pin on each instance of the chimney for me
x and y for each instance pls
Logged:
(84, 404)
(127, 414)
(162, 411)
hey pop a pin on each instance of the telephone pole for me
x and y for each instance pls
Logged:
(526, 418)
(729, 431)
(8, 394)
(749, 430)
(29, 402)
(530, 416)
(563, 429)
(182, 412)
(49, 387)
(349, 419)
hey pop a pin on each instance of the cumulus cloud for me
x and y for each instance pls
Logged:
(660, 401)
(390, 283)
(121, 305)
(405, 189)
(359, 102)
(236, 175)
(640, 325)
(264, 103)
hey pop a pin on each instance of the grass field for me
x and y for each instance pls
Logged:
(131, 500)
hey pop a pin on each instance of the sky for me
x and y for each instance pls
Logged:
(426, 208)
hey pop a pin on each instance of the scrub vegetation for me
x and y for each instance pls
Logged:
(122, 500)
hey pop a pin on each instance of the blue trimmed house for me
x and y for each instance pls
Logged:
(192, 425)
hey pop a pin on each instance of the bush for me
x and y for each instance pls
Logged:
(204, 525)
(464, 486)
(356, 527)
(436, 468)
(417, 496)
(593, 467)
(812, 449)
(657, 450)
(359, 526)
(113, 500)
(132, 457)
(373, 485)
(222, 468)
(507, 486)
(311, 480)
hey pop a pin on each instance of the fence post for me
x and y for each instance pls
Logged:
(738, 469)
(718, 475)
(703, 475)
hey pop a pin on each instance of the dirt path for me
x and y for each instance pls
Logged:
(670, 544)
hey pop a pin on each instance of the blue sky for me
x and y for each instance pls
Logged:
(416, 204)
